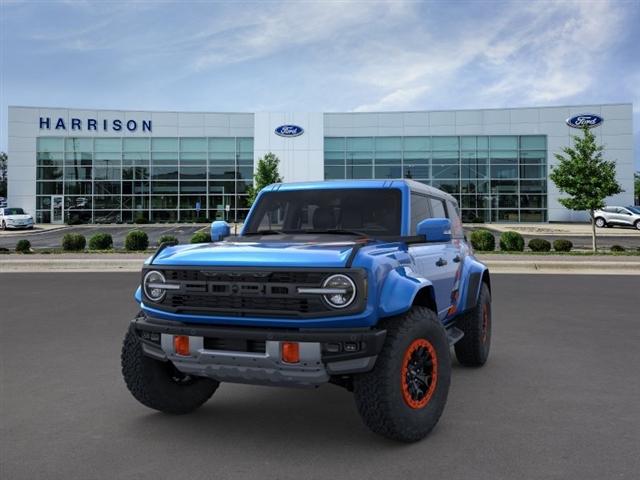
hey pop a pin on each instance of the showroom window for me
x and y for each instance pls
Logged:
(113, 180)
(494, 178)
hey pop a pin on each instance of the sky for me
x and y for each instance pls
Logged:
(318, 55)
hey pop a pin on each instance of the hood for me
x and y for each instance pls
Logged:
(258, 254)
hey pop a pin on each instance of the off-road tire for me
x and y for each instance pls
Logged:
(473, 349)
(379, 395)
(602, 221)
(152, 382)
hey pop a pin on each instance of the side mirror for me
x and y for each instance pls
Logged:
(435, 229)
(220, 230)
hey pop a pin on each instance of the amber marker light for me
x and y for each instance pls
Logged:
(181, 345)
(290, 352)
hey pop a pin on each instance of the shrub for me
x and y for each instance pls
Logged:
(617, 248)
(23, 246)
(201, 237)
(167, 239)
(73, 242)
(101, 241)
(142, 220)
(4, 250)
(539, 245)
(511, 242)
(483, 240)
(136, 240)
(562, 245)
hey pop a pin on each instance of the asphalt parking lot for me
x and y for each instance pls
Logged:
(557, 400)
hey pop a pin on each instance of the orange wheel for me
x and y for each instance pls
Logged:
(419, 374)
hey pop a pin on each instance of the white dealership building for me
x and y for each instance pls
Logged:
(84, 165)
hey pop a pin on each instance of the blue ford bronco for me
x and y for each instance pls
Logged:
(361, 283)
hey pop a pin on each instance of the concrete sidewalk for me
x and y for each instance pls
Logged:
(556, 229)
(556, 264)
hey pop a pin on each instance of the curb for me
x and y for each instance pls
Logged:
(564, 267)
(71, 265)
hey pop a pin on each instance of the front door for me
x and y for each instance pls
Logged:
(57, 209)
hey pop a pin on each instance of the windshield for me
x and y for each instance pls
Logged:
(371, 211)
(634, 209)
(13, 211)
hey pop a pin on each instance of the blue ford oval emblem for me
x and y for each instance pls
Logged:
(289, 131)
(583, 120)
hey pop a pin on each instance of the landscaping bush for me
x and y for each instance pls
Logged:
(101, 241)
(562, 245)
(539, 245)
(617, 248)
(142, 220)
(511, 242)
(483, 240)
(73, 242)
(23, 246)
(4, 250)
(136, 240)
(201, 237)
(167, 239)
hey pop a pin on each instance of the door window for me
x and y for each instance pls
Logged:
(456, 223)
(437, 208)
(419, 210)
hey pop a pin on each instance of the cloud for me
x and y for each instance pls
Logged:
(537, 53)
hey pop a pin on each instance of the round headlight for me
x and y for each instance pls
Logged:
(344, 291)
(149, 284)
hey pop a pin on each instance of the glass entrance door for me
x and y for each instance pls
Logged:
(57, 209)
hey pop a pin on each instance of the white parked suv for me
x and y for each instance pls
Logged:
(624, 216)
(15, 218)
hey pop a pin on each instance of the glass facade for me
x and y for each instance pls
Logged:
(500, 178)
(111, 180)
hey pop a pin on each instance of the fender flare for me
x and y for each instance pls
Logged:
(475, 275)
(401, 289)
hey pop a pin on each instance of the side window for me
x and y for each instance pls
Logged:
(419, 210)
(437, 208)
(456, 224)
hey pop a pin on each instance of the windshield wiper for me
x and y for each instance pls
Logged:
(264, 232)
(337, 231)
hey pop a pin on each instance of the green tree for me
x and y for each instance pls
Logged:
(636, 187)
(585, 177)
(3, 174)
(266, 174)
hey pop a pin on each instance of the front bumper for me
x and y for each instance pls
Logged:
(252, 355)
(18, 226)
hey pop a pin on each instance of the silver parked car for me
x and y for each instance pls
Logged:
(15, 218)
(623, 216)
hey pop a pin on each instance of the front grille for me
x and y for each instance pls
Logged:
(245, 292)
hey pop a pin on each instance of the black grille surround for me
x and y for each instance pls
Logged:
(253, 292)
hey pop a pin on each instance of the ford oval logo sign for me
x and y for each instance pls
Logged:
(583, 120)
(289, 131)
